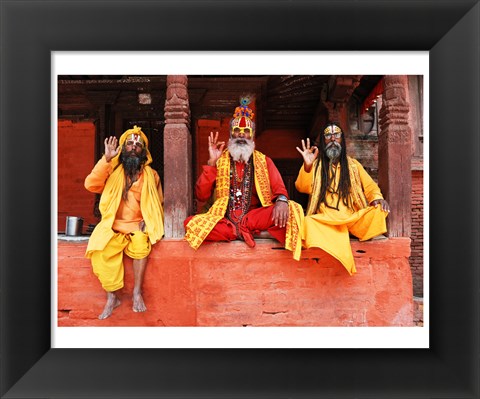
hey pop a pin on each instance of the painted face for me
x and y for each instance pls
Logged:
(242, 132)
(134, 141)
(242, 127)
(332, 132)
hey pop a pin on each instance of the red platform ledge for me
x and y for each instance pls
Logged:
(230, 284)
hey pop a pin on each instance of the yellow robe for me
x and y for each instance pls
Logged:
(328, 228)
(151, 198)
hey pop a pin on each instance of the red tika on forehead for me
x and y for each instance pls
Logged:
(243, 122)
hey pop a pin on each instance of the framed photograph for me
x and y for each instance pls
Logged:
(34, 35)
(224, 287)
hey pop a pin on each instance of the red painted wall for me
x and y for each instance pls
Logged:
(76, 142)
(230, 284)
(280, 144)
(277, 144)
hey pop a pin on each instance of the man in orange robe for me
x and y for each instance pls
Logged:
(132, 215)
(343, 198)
(250, 195)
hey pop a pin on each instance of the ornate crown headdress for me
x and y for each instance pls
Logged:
(243, 115)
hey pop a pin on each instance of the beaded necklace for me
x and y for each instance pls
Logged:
(240, 193)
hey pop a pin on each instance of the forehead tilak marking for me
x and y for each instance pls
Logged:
(332, 129)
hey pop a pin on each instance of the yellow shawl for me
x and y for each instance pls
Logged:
(358, 197)
(150, 202)
(201, 225)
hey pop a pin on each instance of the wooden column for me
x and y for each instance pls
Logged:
(340, 90)
(177, 141)
(394, 155)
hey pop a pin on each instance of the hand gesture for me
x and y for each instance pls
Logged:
(111, 148)
(382, 203)
(215, 149)
(309, 154)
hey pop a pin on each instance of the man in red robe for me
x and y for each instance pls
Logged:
(249, 192)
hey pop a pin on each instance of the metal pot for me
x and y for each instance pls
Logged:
(74, 226)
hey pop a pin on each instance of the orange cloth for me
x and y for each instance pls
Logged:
(108, 178)
(129, 214)
(328, 228)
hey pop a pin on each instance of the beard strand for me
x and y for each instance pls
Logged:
(132, 164)
(241, 149)
(333, 150)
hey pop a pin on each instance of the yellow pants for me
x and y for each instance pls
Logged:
(108, 264)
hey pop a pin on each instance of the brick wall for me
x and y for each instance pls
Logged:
(418, 315)
(76, 141)
(416, 258)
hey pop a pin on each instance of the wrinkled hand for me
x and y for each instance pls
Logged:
(111, 148)
(280, 213)
(215, 149)
(309, 154)
(382, 203)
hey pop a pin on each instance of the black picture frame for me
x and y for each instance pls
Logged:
(30, 30)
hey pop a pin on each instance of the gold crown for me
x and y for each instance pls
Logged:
(243, 115)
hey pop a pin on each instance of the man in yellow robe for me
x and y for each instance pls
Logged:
(343, 198)
(132, 215)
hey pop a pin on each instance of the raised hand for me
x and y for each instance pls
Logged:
(111, 148)
(309, 154)
(215, 148)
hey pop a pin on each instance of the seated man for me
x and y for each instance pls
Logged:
(250, 195)
(132, 215)
(343, 198)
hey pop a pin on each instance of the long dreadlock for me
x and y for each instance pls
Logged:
(344, 183)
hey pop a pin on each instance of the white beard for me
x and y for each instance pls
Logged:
(333, 150)
(241, 152)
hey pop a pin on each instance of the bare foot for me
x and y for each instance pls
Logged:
(112, 303)
(138, 304)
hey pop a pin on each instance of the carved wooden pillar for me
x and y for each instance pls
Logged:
(394, 155)
(333, 110)
(177, 141)
(340, 89)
